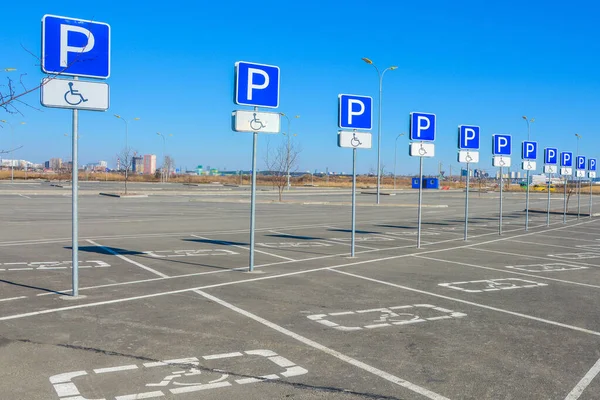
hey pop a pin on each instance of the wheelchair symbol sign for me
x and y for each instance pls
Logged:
(73, 97)
(81, 95)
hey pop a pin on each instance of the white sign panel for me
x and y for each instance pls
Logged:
(252, 121)
(422, 149)
(466, 156)
(354, 140)
(550, 169)
(501, 161)
(566, 171)
(528, 165)
(80, 95)
(592, 174)
(580, 173)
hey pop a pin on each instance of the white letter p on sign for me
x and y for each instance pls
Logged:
(351, 112)
(251, 85)
(65, 49)
(421, 127)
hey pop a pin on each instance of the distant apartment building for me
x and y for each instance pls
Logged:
(137, 164)
(149, 164)
(56, 164)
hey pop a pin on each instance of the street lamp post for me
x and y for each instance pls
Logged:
(381, 74)
(287, 158)
(578, 136)
(527, 192)
(12, 136)
(395, 156)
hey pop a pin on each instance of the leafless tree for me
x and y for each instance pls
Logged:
(168, 167)
(278, 161)
(125, 159)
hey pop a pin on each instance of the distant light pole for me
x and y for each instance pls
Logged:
(287, 158)
(126, 127)
(163, 174)
(12, 136)
(9, 69)
(368, 61)
(527, 192)
(578, 136)
(395, 156)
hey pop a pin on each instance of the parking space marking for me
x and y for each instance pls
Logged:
(293, 245)
(576, 256)
(185, 367)
(122, 257)
(248, 249)
(556, 245)
(491, 285)
(584, 382)
(388, 317)
(535, 257)
(330, 241)
(509, 272)
(51, 265)
(13, 298)
(550, 267)
(441, 296)
(189, 253)
(365, 367)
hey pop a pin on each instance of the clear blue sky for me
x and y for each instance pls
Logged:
(469, 62)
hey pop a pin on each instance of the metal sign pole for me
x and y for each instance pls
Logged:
(74, 206)
(353, 201)
(253, 198)
(565, 201)
(467, 204)
(548, 206)
(420, 202)
(527, 204)
(578, 196)
(590, 197)
(500, 218)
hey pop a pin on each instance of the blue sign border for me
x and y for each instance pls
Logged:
(237, 81)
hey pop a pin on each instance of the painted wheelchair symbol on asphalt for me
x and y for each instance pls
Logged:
(183, 375)
(490, 285)
(75, 97)
(256, 124)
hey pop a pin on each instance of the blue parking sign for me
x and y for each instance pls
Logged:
(468, 137)
(75, 47)
(501, 145)
(256, 84)
(550, 156)
(422, 126)
(592, 164)
(355, 112)
(529, 150)
(566, 159)
(581, 162)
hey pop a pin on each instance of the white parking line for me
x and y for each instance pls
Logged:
(584, 382)
(365, 367)
(122, 257)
